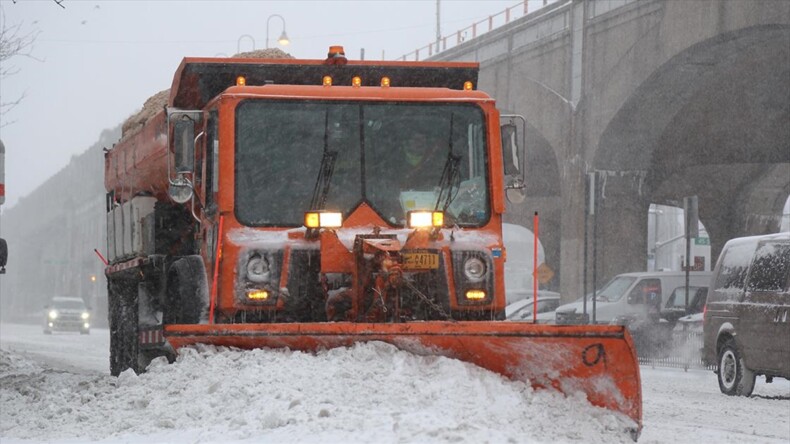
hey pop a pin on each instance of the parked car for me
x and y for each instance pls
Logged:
(67, 313)
(630, 296)
(690, 324)
(675, 306)
(522, 309)
(746, 325)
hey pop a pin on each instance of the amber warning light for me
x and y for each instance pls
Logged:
(336, 56)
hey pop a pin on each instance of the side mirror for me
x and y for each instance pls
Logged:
(184, 145)
(513, 155)
(516, 195)
(510, 155)
(180, 190)
(3, 255)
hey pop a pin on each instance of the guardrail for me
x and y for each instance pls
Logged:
(682, 349)
(476, 29)
(594, 9)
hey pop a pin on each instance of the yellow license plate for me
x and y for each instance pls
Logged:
(420, 261)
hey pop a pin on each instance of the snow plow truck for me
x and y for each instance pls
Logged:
(312, 204)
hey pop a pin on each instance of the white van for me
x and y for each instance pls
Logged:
(630, 295)
(519, 242)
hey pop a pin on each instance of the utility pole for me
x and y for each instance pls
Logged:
(438, 27)
(3, 245)
(691, 218)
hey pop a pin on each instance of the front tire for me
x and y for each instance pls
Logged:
(187, 291)
(734, 378)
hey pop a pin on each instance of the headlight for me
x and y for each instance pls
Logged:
(321, 219)
(258, 269)
(53, 314)
(85, 315)
(474, 269)
(425, 219)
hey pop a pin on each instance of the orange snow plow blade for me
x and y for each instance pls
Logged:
(600, 361)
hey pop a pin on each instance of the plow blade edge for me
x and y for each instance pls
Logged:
(599, 361)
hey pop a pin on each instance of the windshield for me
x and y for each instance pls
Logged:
(614, 290)
(68, 305)
(391, 156)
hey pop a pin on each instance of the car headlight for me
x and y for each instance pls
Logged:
(85, 315)
(53, 314)
(474, 269)
(258, 269)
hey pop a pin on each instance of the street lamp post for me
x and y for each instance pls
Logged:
(243, 36)
(283, 40)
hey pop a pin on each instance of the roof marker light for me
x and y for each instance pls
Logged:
(467, 86)
(356, 82)
(327, 80)
(241, 81)
(385, 82)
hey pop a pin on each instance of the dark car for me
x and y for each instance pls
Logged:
(67, 314)
(746, 324)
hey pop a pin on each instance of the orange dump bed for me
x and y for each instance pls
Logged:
(599, 361)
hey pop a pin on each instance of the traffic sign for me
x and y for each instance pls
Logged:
(545, 273)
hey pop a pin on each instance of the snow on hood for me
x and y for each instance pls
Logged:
(461, 238)
(371, 392)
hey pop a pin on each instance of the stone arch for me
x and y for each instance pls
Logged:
(711, 122)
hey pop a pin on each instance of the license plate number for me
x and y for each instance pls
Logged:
(420, 261)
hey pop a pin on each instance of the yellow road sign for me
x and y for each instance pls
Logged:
(545, 273)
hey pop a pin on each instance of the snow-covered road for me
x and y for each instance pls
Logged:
(56, 389)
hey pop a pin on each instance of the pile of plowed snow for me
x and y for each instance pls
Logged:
(157, 102)
(368, 393)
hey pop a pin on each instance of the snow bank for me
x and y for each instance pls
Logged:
(371, 392)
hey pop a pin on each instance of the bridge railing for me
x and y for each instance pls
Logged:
(476, 29)
(519, 10)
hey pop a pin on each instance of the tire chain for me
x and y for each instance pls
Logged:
(427, 300)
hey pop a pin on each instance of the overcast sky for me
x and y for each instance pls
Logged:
(95, 62)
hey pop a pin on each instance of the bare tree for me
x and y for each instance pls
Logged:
(13, 42)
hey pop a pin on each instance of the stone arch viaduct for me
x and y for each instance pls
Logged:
(657, 100)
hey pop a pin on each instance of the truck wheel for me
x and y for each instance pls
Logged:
(187, 291)
(124, 343)
(734, 378)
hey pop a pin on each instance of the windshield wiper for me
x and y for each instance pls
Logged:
(450, 176)
(325, 171)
